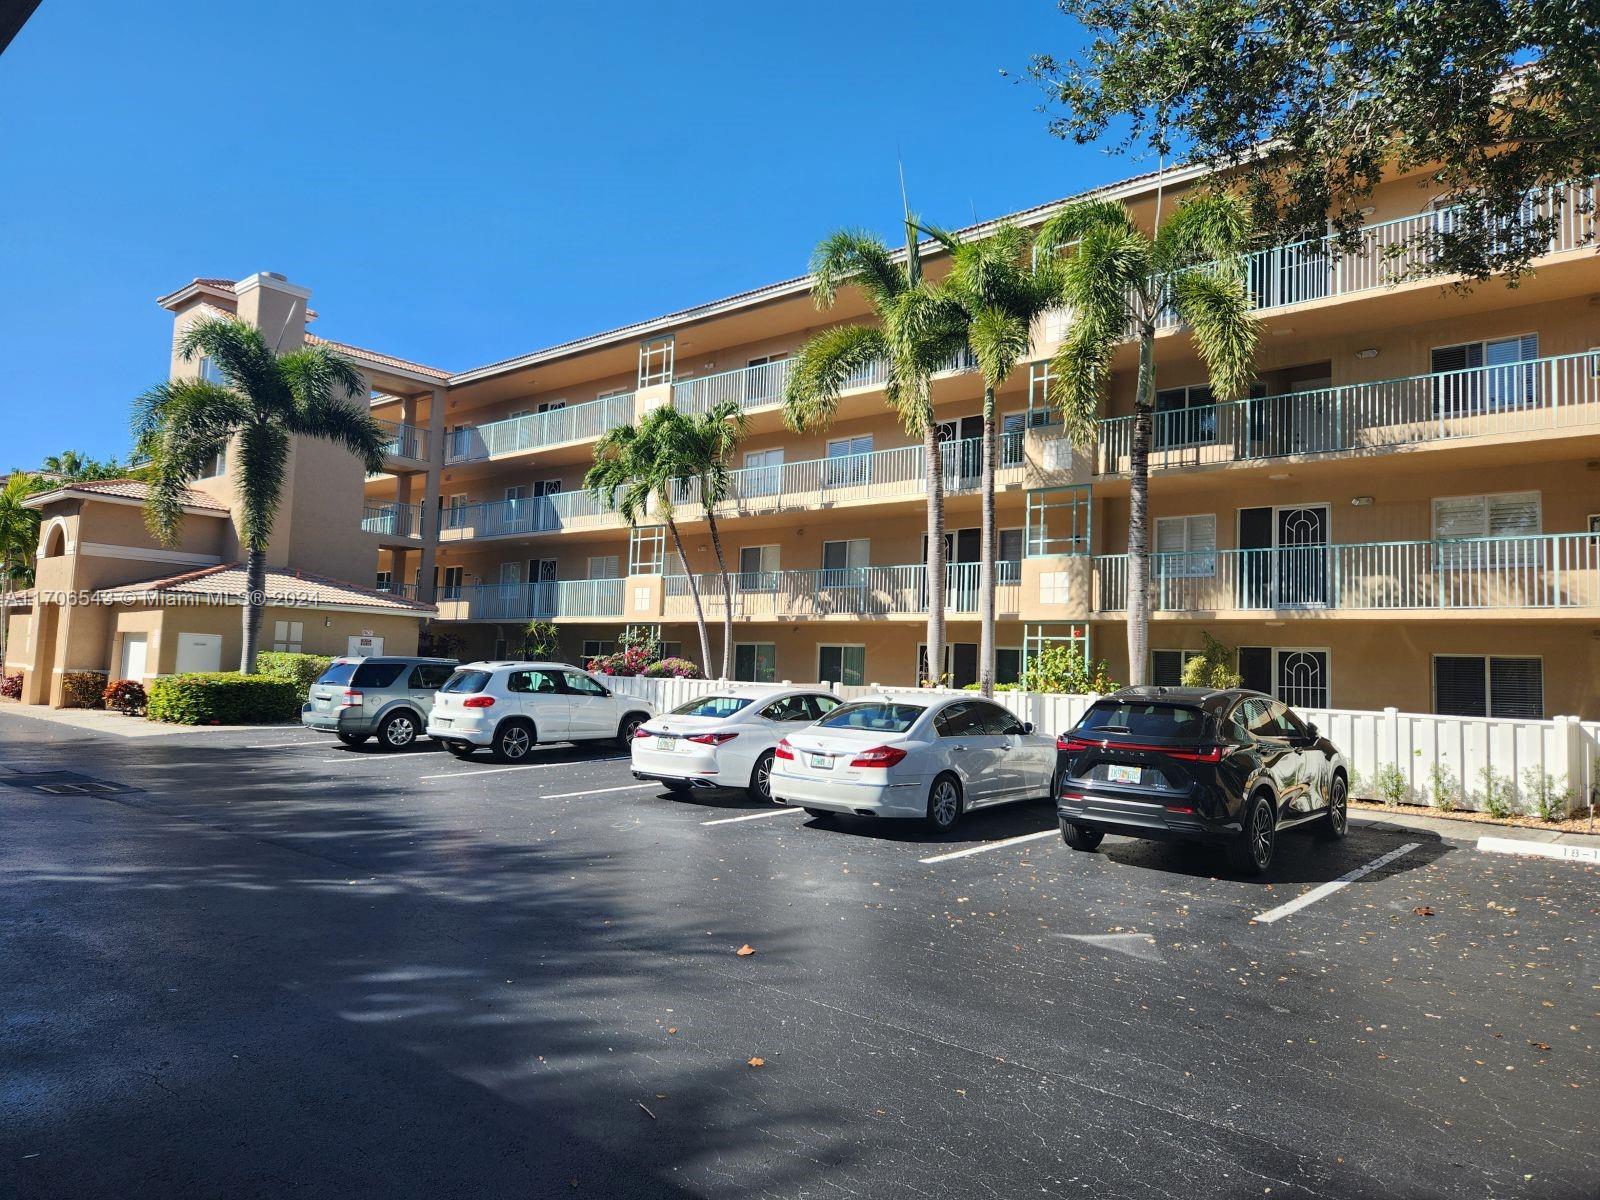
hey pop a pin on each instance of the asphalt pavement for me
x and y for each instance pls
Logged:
(262, 964)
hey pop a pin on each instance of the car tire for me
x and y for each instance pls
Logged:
(399, 730)
(945, 803)
(760, 788)
(1081, 837)
(1251, 853)
(351, 739)
(460, 749)
(630, 726)
(513, 742)
(1336, 823)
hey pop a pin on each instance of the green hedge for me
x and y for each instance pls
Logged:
(224, 698)
(303, 669)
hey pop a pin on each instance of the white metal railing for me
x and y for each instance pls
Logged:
(408, 591)
(524, 601)
(841, 591)
(1548, 571)
(573, 423)
(1534, 395)
(530, 514)
(404, 441)
(761, 386)
(393, 520)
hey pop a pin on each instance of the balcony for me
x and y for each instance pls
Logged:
(404, 441)
(761, 386)
(577, 598)
(531, 514)
(574, 423)
(1549, 571)
(406, 591)
(839, 592)
(1538, 395)
(393, 520)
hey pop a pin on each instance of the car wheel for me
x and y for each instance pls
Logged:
(397, 731)
(1251, 854)
(513, 742)
(352, 739)
(1334, 825)
(761, 779)
(944, 804)
(629, 727)
(1081, 837)
(460, 749)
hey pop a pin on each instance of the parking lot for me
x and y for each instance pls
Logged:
(259, 963)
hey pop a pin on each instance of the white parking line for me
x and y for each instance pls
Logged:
(1000, 845)
(1495, 845)
(755, 816)
(632, 787)
(303, 744)
(1332, 886)
(524, 767)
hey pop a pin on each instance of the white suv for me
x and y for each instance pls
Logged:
(513, 706)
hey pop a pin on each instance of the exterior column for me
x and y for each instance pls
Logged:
(430, 494)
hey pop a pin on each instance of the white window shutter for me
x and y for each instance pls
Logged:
(1459, 517)
(1515, 514)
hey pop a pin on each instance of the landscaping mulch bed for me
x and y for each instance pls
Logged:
(1581, 823)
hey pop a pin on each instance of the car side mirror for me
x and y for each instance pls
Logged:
(1311, 732)
(1027, 727)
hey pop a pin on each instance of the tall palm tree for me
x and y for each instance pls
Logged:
(637, 465)
(712, 438)
(1120, 283)
(1001, 288)
(264, 402)
(918, 330)
(19, 539)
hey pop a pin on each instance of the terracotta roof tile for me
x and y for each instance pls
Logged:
(133, 489)
(299, 589)
(372, 356)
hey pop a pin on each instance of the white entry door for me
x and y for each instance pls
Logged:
(135, 648)
(199, 652)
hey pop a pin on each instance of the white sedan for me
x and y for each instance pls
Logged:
(726, 740)
(910, 756)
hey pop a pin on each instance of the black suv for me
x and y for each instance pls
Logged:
(1230, 768)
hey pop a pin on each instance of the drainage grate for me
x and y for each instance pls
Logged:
(63, 783)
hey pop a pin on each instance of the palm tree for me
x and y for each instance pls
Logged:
(919, 329)
(1001, 288)
(635, 465)
(1119, 283)
(265, 401)
(712, 438)
(19, 539)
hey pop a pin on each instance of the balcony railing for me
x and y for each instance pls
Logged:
(574, 423)
(840, 591)
(1548, 571)
(407, 591)
(531, 514)
(405, 441)
(762, 386)
(393, 520)
(525, 601)
(1535, 395)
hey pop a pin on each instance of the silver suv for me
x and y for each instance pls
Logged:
(511, 707)
(357, 698)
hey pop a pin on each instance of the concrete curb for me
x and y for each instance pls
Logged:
(1472, 834)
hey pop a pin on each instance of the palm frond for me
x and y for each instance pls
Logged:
(1073, 222)
(855, 256)
(999, 339)
(260, 462)
(243, 357)
(822, 369)
(1217, 307)
(1213, 225)
(181, 426)
(330, 404)
(1080, 370)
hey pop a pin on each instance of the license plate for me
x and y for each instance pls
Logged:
(321, 703)
(441, 721)
(667, 744)
(822, 762)
(1117, 774)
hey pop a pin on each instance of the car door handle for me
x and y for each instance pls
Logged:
(958, 747)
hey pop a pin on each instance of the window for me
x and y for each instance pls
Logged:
(542, 683)
(466, 682)
(880, 716)
(1303, 678)
(964, 718)
(456, 511)
(581, 685)
(1041, 411)
(607, 566)
(848, 464)
(1475, 685)
(551, 406)
(215, 466)
(1186, 547)
(1008, 567)
(1488, 376)
(755, 662)
(377, 675)
(763, 385)
(594, 648)
(720, 707)
(841, 556)
(385, 582)
(758, 569)
(429, 677)
(613, 394)
(845, 665)
(655, 361)
(1013, 426)
(517, 491)
(1184, 416)
(1007, 664)
(288, 635)
(996, 720)
(211, 372)
(790, 708)
(1166, 666)
(1502, 515)
(1055, 587)
(547, 487)
(452, 584)
(647, 550)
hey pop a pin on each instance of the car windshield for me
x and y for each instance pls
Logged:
(338, 674)
(466, 681)
(880, 716)
(712, 706)
(1142, 719)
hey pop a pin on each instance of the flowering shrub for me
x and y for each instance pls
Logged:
(11, 686)
(672, 668)
(631, 661)
(125, 696)
(82, 689)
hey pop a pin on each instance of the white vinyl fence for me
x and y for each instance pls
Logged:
(1435, 760)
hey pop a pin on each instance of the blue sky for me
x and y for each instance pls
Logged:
(464, 189)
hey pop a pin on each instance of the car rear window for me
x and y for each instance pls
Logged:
(338, 674)
(1143, 719)
(466, 681)
(880, 716)
(378, 675)
(712, 706)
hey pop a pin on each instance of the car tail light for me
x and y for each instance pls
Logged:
(1181, 809)
(783, 750)
(711, 739)
(878, 756)
(1067, 742)
(1209, 754)
(478, 702)
(642, 732)
(351, 700)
